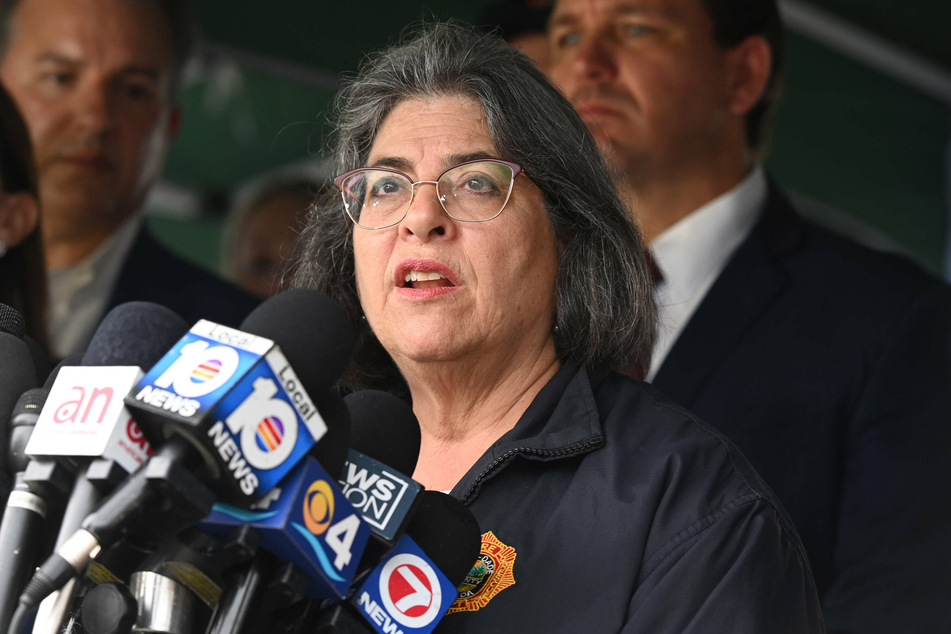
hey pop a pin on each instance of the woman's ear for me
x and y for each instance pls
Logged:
(19, 215)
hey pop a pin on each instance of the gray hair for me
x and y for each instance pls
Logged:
(604, 308)
(184, 35)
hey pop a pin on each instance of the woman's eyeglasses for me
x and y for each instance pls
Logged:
(473, 191)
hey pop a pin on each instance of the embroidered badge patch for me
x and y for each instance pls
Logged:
(493, 572)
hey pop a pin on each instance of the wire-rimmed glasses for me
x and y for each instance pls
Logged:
(472, 191)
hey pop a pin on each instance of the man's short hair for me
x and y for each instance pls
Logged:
(184, 36)
(733, 22)
(512, 18)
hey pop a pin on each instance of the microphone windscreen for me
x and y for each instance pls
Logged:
(11, 321)
(313, 332)
(17, 375)
(447, 531)
(73, 359)
(135, 333)
(41, 362)
(331, 450)
(384, 427)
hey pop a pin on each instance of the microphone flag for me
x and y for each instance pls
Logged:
(406, 591)
(84, 416)
(306, 521)
(237, 399)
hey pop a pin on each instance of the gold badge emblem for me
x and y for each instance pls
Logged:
(493, 572)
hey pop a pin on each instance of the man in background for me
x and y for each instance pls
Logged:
(261, 231)
(521, 23)
(826, 363)
(98, 84)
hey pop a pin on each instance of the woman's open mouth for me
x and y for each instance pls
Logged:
(425, 279)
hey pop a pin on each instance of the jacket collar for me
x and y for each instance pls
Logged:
(562, 421)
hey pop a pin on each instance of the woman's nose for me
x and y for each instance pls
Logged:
(425, 218)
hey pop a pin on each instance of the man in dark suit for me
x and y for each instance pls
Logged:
(828, 364)
(97, 82)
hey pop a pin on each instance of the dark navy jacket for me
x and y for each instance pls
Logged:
(152, 273)
(829, 366)
(613, 510)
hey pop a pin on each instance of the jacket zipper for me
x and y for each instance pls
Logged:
(578, 447)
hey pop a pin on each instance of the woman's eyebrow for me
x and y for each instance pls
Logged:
(455, 159)
(394, 162)
(404, 164)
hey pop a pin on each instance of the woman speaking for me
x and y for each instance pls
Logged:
(476, 236)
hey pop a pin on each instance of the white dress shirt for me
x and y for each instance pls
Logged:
(79, 294)
(692, 253)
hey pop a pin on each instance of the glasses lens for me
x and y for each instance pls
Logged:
(476, 191)
(376, 198)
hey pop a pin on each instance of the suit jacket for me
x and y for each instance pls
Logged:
(829, 365)
(152, 273)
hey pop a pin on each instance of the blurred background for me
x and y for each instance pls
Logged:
(863, 134)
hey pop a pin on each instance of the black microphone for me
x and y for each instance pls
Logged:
(233, 411)
(21, 526)
(414, 585)
(17, 375)
(11, 321)
(384, 447)
(385, 428)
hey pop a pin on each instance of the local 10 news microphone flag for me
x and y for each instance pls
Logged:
(230, 415)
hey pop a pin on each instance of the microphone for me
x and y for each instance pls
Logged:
(86, 422)
(284, 530)
(414, 585)
(234, 412)
(38, 483)
(270, 584)
(11, 321)
(384, 446)
(384, 427)
(180, 586)
(381, 426)
(308, 523)
(25, 512)
(241, 397)
(85, 417)
(17, 375)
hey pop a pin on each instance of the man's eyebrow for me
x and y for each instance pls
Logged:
(50, 57)
(567, 19)
(143, 71)
(58, 59)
